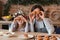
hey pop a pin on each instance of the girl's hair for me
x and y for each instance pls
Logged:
(20, 12)
(37, 6)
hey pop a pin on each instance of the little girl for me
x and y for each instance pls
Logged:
(42, 24)
(19, 23)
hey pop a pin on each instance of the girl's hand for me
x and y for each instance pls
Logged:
(20, 18)
(23, 19)
(31, 16)
(41, 15)
(15, 19)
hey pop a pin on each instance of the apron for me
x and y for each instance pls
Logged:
(43, 30)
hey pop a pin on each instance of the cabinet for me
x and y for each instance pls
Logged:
(5, 24)
(1, 8)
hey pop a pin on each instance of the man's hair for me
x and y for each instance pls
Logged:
(37, 6)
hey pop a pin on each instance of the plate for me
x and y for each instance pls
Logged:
(58, 38)
(9, 34)
(22, 37)
(1, 33)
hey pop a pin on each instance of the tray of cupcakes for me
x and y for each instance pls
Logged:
(47, 37)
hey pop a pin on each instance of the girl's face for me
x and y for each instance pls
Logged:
(37, 13)
(20, 21)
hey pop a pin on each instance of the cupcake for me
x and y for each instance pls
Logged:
(26, 35)
(53, 38)
(46, 37)
(39, 37)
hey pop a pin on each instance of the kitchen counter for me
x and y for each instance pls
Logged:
(4, 23)
(9, 22)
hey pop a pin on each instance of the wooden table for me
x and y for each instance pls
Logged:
(19, 33)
